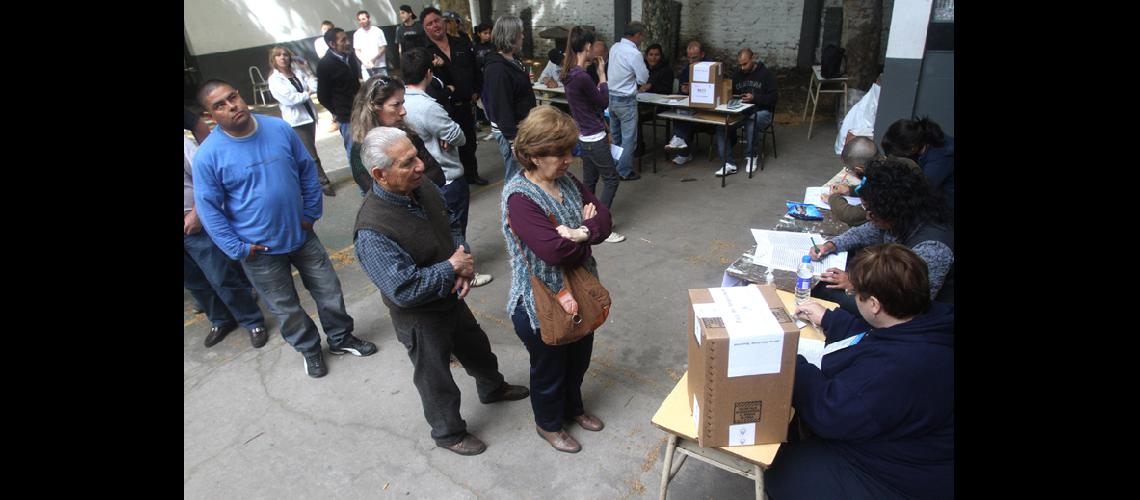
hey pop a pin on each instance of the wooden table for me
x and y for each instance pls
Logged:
(547, 94)
(675, 418)
(752, 272)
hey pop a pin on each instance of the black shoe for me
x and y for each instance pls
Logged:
(218, 333)
(507, 392)
(315, 365)
(351, 344)
(258, 336)
(479, 181)
(631, 177)
(328, 190)
(469, 445)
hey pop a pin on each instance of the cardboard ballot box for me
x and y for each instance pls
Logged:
(706, 85)
(742, 361)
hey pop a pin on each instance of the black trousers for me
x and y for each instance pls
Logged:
(431, 339)
(465, 117)
(556, 374)
(812, 469)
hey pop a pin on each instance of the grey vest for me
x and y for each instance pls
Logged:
(944, 234)
(426, 241)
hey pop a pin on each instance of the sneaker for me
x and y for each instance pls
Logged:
(753, 165)
(489, 137)
(217, 333)
(731, 169)
(258, 336)
(315, 365)
(676, 143)
(615, 237)
(328, 190)
(352, 345)
(681, 160)
(481, 279)
(633, 176)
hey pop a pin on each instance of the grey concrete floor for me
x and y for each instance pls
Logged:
(256, 426)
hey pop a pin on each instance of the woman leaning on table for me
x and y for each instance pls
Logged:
(543, 149)
(380, 103)
(881, 404)
(292, 89)
(901, 208)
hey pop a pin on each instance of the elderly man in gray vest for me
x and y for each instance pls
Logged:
(416, 255)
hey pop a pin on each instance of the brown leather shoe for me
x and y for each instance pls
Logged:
(560, 440)
(508, 392)
(590, 422)
(469, 445)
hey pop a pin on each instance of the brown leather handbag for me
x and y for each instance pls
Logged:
(579, 308)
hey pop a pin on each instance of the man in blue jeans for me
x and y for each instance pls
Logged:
(257, 169)
(628, 75)
(757, 85)
(216, 282)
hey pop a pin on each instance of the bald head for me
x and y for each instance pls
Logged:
(858, 152)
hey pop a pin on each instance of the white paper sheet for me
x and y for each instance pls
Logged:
(756, 340)
(784, 249)
(704, 93)
(701, 71)
(742, 434)
(708, 310)
(812, 350)
(615, 151)
(812, 196)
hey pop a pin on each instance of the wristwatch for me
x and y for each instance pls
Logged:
(585, 230)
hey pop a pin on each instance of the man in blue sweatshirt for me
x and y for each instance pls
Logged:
(755, 84)
(257, 194)
(881, 400)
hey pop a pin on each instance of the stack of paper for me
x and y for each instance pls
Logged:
(783, 250)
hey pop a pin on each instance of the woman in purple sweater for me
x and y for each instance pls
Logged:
(587, 101)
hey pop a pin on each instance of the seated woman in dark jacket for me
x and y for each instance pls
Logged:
(923, 141)
(881, 403)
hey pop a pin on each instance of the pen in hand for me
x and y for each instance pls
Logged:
(816, 247)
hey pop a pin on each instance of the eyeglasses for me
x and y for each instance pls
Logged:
(377, 82)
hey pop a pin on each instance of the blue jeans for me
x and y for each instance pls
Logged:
(623, 126)
(510, 166)
(346, 136)
(457, 196)
(218, 284)
(272, 277)
(752, 125)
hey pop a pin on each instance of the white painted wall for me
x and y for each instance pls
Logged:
(224, 25)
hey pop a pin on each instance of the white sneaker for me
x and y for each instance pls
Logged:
(615, 237)
(681, 160)
(752, 165)
(676, 143)
(481, 279)
(489, 136)
(727, 166)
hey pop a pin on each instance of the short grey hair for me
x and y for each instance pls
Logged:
(374, 150)
(506, 30)
(633, 28)
(859, 151)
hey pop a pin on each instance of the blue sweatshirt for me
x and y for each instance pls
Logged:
(257, 189)
(886, 403)
(938, 165)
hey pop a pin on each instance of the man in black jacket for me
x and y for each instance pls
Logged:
(756, 85)
(338, 73)
(453, 62)
(507, 92)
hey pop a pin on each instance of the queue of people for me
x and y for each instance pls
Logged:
(880, 409)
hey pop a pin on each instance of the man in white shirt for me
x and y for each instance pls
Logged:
(319, 44)
(369, 43)
(628, 75)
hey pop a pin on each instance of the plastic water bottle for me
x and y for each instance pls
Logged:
(803, 280)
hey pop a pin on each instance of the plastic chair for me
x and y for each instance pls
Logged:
(815, 85)
(259, 87)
